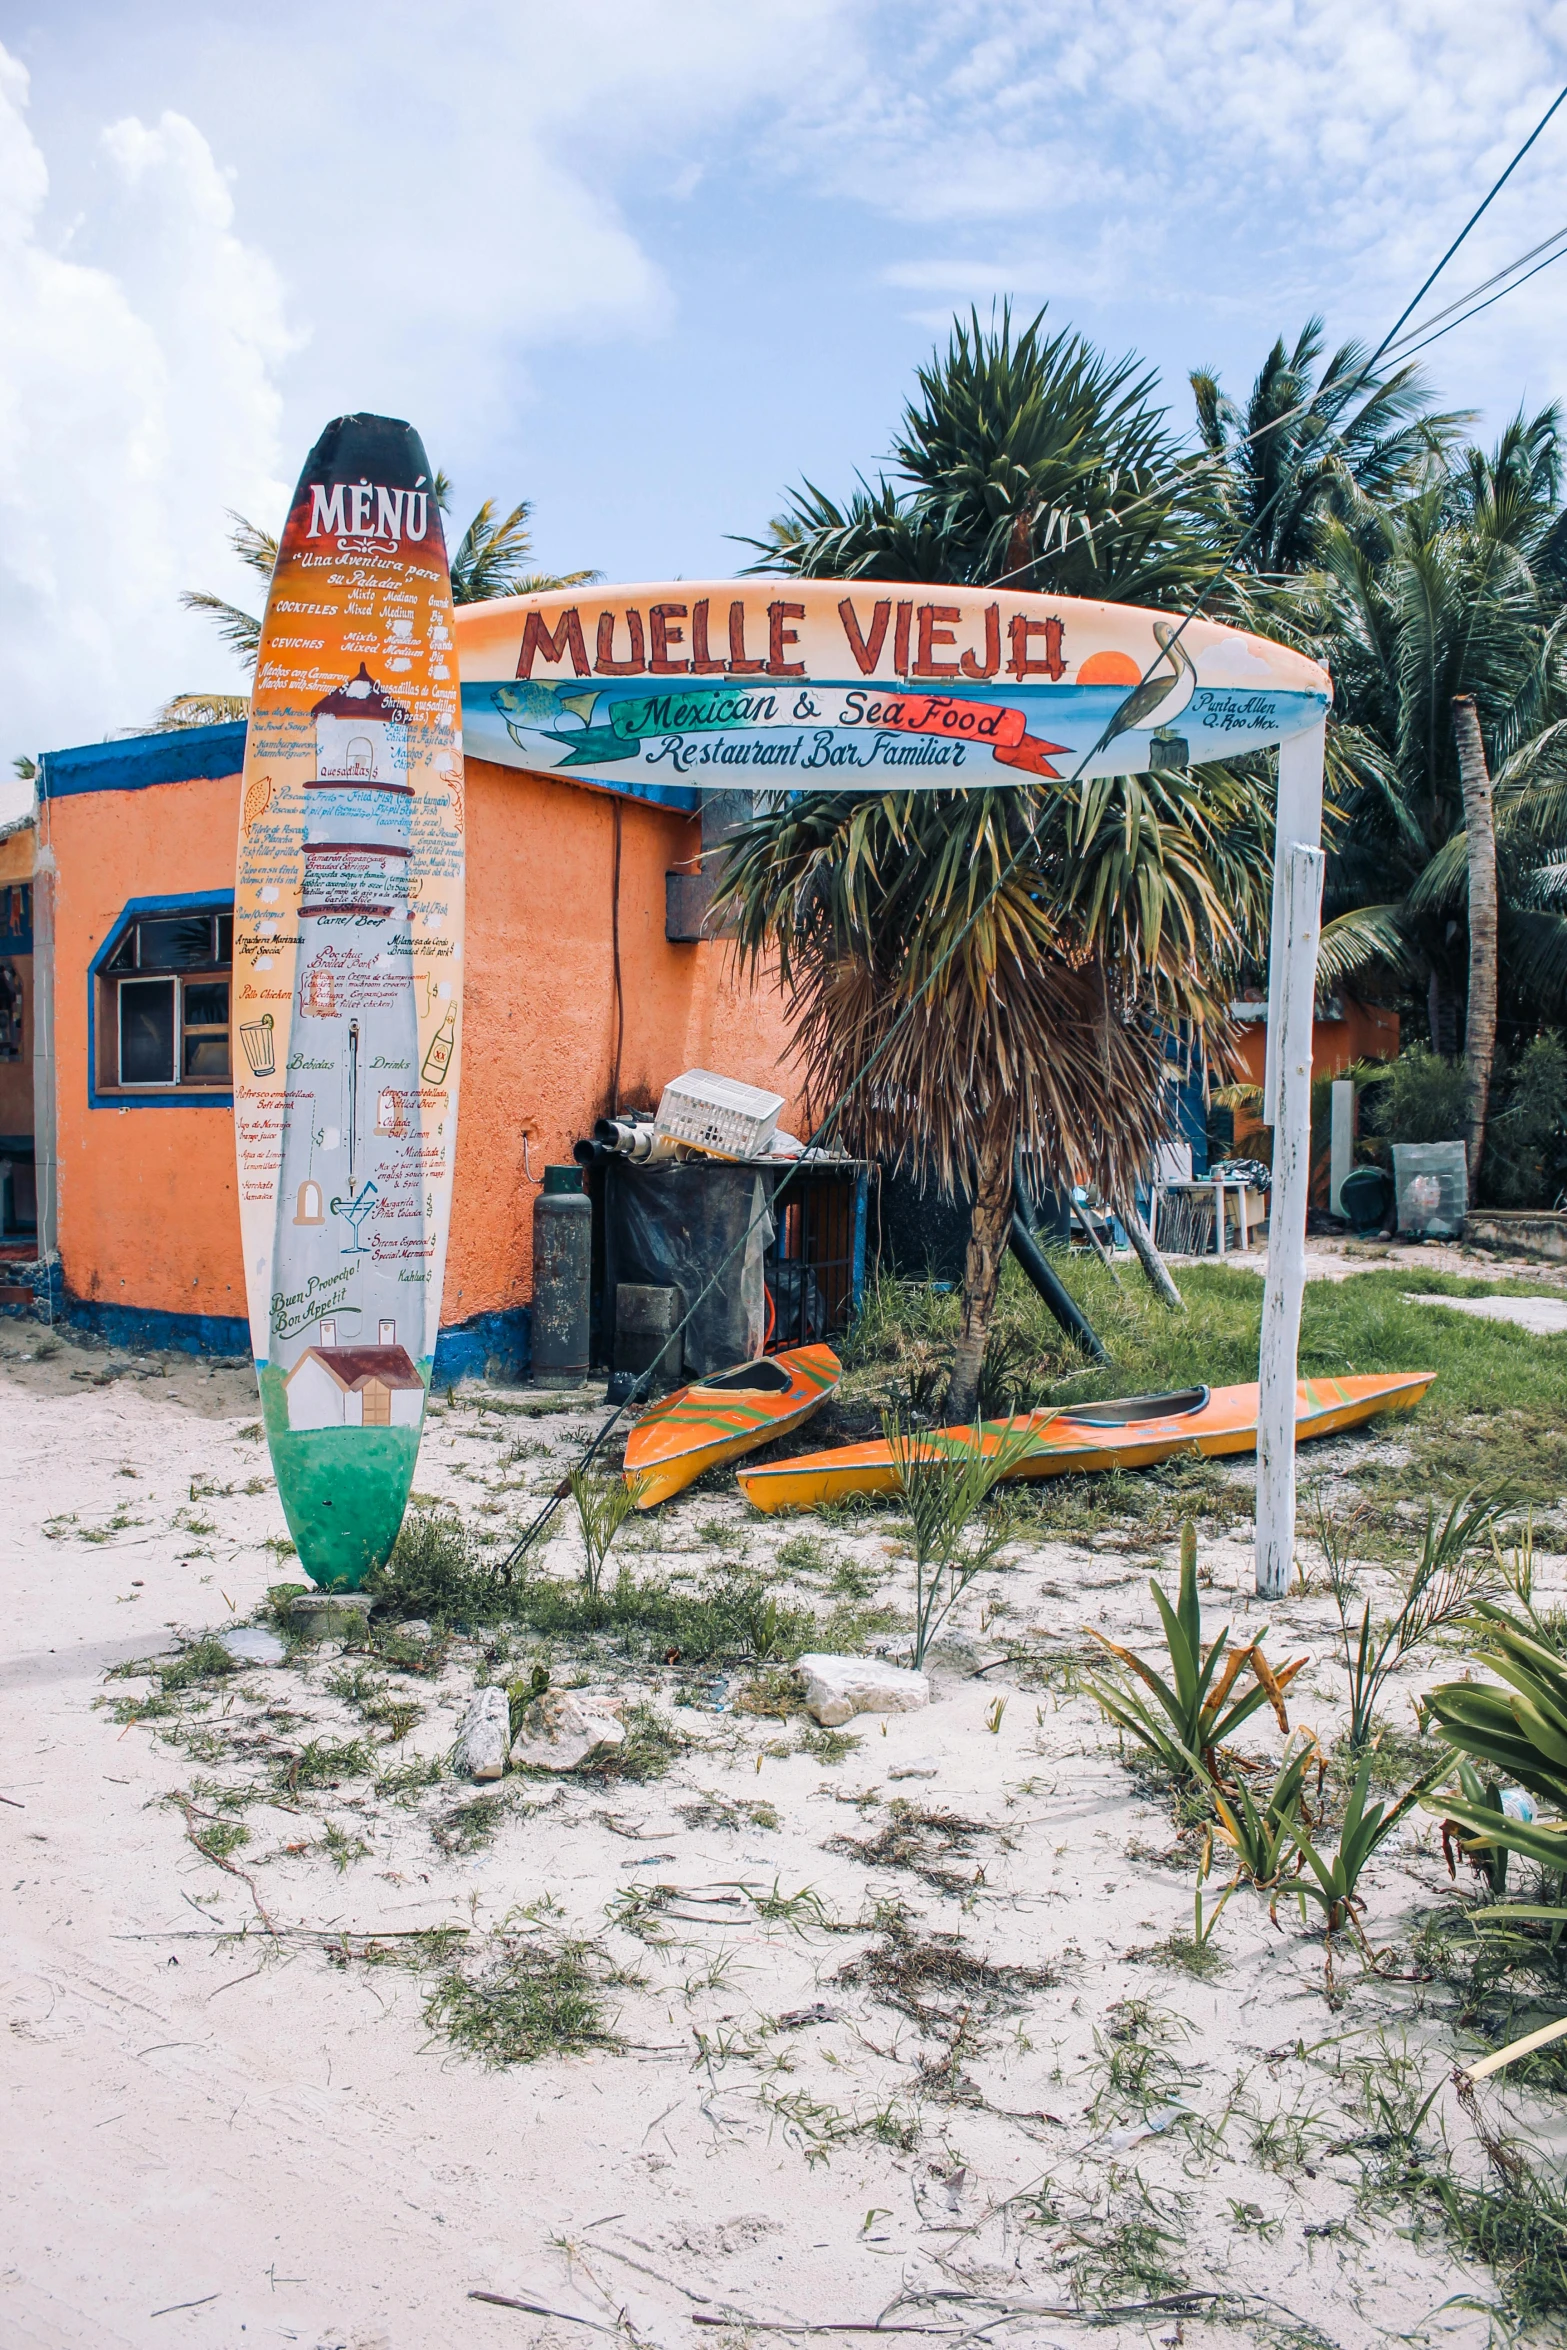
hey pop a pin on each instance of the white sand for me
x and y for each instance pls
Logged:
(278, 2141)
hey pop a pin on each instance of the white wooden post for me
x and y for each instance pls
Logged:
(1298, 818)
(1293, 988)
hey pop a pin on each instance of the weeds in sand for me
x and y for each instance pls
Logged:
(322, 1762)
(719, 1811)
(395, 1715)
(771, 1697)
(1249, 2219)
(469, 1827)
(943, 1486)
(405, 1782)
(827, 1746)
(1129, 2259)
(219, 1839)
(933, 1978)
(341, 1849)
(1189, 1716)
(649, 1749)
(1133, 2068)
(530, 1999)
(354, 1684)
(1446, 1582)
(922, 1841)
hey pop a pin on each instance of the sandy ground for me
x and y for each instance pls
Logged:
(218, 2134)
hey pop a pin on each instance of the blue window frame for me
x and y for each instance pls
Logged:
(158, 1005)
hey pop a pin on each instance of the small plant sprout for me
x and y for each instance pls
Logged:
(1188, 1717)
(944, 1486)
(995, 1716)
(1202, 1933)
(1263, 1840)
(1332, 1882)
(1443, 1588)
(603, 1506)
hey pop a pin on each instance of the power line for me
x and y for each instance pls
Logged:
(824, 1127)
(1452, 324)
(1483, 287)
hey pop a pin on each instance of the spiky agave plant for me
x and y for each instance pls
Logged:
(1185, 1719)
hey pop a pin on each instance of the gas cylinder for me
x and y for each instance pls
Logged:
(562, 1273)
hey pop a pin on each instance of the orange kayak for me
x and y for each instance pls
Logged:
(1130, 1434)
(718, 1418)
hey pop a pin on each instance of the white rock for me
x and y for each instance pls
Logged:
(563, 1727)
(838, 1687)
(485, 1735)
(253, 1644)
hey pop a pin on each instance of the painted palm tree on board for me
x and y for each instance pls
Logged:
(1007, 964)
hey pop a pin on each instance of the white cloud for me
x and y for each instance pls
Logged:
(138, 398)
(1315, 153)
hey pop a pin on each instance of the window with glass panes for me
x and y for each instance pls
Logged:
(168, 988)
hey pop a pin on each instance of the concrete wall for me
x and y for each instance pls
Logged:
(149, 1228)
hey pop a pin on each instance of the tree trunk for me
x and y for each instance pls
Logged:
(1160, 1279)
(1480, 1020)
(987, 1247)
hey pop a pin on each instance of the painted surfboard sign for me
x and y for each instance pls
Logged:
(818, 684)
(348, 940)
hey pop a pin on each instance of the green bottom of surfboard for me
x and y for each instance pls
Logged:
(343, 1490)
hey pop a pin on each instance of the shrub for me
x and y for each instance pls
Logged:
(1420, 1098)
(1526, 1134)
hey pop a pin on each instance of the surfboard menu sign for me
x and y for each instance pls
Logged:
(348, 940)
(817, 684)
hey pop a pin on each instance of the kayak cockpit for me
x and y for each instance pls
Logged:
(762, 1378)
(1127, 1409)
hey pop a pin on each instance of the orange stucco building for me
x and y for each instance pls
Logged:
(576, 1000)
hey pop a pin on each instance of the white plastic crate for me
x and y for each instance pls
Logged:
(1432, 1183)
(719, 1114)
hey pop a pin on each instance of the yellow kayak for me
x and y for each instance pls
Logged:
(1130, 1434)
(716, 1419)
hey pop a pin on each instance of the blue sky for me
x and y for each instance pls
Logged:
(648, 265)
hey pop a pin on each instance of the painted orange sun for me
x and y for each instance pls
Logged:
(1109, 669)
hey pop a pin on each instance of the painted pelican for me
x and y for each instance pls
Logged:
(1165, 691)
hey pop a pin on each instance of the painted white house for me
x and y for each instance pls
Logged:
(354, 1387)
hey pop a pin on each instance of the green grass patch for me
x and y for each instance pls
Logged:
(1496, 1416)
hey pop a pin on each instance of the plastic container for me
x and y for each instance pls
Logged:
(718, 1114)
(1366, 1196)
(1431, 1180)
(562, 1279)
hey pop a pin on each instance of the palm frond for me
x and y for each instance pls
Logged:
(201, 710)
(1356, 942)
(240, 629)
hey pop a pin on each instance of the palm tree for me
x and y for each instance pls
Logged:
(491, 559)
(1034, 459)
(1007, 963)
(1307, 445)
(1458, 593)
